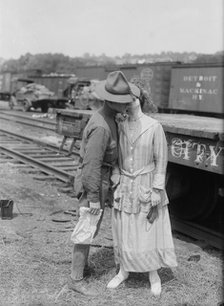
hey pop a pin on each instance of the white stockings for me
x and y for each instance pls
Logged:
(123, 275)
(155, 283)
(118, 279)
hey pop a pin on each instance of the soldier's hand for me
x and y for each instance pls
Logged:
(94, 208)
(115, 179)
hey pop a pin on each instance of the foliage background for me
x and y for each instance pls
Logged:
(60, 63)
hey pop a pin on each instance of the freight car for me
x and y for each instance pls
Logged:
(155, 76)
(190, 102)
(64, 91)
(76, 92)
(14, 85)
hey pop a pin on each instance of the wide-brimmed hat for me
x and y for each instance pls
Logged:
(117, 89)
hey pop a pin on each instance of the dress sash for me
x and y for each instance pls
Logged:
(143, 170)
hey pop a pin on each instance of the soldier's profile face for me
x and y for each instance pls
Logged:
(118, 107)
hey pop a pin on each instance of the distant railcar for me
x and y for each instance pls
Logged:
(197, 89)
(200, 89)
(156, 77)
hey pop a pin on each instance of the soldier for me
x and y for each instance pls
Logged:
(99, 154)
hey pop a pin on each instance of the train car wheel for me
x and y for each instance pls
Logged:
(11, 105)
(26, 105)
(12, 102)
(44, 108)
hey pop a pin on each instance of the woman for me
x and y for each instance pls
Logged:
(140, 218)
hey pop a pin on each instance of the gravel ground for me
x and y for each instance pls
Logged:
(35, 251)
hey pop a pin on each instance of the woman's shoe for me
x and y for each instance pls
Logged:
(156, 289)
(155, 283)
(117, 280)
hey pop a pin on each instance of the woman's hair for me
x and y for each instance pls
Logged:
(145, 98)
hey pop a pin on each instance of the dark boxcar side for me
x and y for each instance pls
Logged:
(155, 77)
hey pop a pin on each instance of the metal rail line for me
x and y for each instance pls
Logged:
(42, 123)
(39, 155)
(36, 141)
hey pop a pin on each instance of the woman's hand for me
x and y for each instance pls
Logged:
(94, 208)
(156, 197)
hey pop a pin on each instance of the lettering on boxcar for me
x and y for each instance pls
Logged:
(198, 92)
(197, 152)
(180, 148)
(201, 82)
(200, 152)
(195, 78)
(213, 155)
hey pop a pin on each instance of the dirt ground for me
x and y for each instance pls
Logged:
(35, 251)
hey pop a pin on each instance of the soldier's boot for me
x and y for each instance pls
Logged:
(77, 281)
(87, 269)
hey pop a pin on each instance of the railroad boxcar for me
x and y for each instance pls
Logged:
(190, 102)
(155, 76)
(68, 91)
(195, 139)
(12, 86)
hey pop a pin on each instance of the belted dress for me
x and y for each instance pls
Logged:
(138, 245)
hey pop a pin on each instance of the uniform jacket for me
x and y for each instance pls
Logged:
(99, 153)
(142, 162)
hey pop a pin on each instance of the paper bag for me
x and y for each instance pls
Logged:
(86, 227)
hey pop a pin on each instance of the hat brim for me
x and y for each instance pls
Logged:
(125, 98)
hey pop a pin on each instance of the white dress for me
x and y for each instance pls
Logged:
(138, 245)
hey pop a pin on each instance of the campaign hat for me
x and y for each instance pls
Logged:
(116, 88)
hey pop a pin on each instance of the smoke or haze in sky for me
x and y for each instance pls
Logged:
(113, 27)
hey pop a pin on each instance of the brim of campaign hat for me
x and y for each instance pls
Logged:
(104, 94)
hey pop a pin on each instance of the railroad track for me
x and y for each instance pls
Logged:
(38, 155)
(52, 164)
(36, 120)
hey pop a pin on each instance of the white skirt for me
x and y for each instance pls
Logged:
(140, 246)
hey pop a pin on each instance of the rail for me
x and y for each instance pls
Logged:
(38, 154)
(43, 123)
